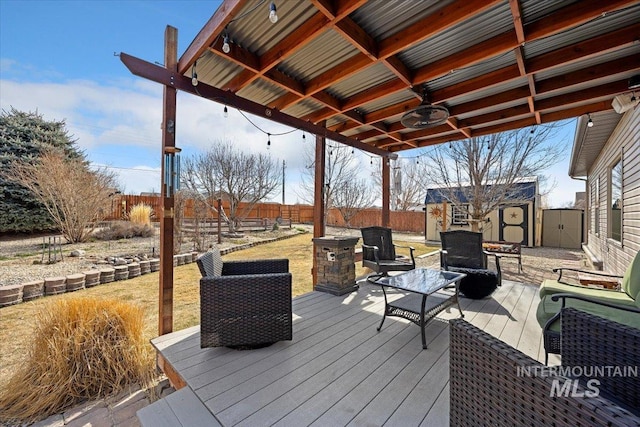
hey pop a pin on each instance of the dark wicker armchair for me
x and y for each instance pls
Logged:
(244, 303)
(493, 384)
(379, 252)
(462, 252)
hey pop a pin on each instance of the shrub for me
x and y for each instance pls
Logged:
(83, 348)
(125, 230)
(140, 214)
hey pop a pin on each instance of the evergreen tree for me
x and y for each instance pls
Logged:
(24, 136)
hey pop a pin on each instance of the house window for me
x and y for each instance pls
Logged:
(459, 215)
(615, 202)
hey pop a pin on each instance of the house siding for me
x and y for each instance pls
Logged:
(624, 144)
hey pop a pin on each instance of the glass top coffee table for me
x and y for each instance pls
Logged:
(423, 302)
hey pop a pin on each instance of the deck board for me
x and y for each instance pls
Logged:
(339, 370)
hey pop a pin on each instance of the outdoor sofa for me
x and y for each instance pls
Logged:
(622, 306)
(493, 384)
(244, 304)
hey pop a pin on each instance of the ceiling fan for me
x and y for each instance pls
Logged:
(425, 115)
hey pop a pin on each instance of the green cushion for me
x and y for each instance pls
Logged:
(548, 308)
(550, 287)
(631, 279)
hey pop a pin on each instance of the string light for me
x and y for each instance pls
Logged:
(268, 141)
(273, 14)
(303, 137)
(371, 161)
(194, 75)
(352, 150)
(590, 122)
(225, 112)
(226, 48)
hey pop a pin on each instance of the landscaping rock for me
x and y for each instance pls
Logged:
(77, 253)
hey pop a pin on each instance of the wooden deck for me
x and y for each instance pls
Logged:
(338, 370)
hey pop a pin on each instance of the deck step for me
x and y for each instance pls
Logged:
(180, 408)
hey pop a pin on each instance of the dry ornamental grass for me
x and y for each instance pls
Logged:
(83, 348)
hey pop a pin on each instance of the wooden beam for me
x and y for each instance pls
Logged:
(212, 29)
(165, 296)
(579, 51)
(594, 72)
(516, 13)
(160, 75)
(386, 193)
(318, 198)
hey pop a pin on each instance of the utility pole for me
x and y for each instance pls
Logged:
(283, 168)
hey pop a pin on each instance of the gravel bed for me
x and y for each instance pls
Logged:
(20, 258)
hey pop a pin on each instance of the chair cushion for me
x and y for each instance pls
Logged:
(547, 308)
(550, 287)
(631, 280)
(478, 284)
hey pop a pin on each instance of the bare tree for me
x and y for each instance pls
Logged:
(344, 187)
(478, 175)
(351, 197)
(231, 174)
(75, 196)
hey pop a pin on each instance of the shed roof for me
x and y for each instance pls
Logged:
(521, 191)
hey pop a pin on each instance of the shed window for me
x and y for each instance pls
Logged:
(459, 215)
(615, 203)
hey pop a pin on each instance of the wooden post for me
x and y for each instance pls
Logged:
(318, 199)
(165, 314)
(444, 215)
(219, 221)
(385, 191)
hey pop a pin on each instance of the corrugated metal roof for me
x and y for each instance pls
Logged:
(304, 107)
(382, 19)
(262, 92)
(472, 71)
(370, 76)
(255, 33)
(600, 25)
(328, 48)
(387, 101)
(493, 22)
(533, 10)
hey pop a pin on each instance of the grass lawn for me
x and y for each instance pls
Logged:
(16, 326)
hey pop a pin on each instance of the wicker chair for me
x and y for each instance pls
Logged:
(379, 253)
(493, 384)
(244, 304)
(462, 252)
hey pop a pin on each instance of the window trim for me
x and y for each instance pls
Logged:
(615, 163)
(455, 219)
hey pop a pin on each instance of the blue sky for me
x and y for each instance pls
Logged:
(57, 57)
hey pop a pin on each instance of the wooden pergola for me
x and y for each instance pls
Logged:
(348, 70)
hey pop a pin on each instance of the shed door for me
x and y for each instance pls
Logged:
(514, 224)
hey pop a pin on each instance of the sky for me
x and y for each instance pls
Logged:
(59, 58)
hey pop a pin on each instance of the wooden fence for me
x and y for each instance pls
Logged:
(409, 221)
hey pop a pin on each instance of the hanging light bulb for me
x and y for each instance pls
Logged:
(418, 161)
(590, 122)
(268, 141)
(371, 160)
(303, 137)
(450, 146)
(226, 48)
(226, 112)
(194, 75)
(352, 150)
(273, 15)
